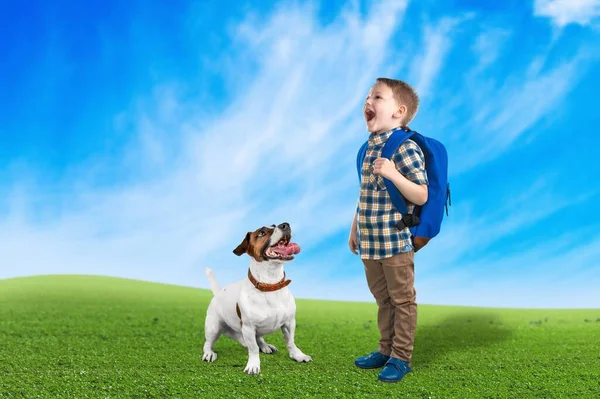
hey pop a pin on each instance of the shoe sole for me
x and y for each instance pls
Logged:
(369, 368)
(392, 381)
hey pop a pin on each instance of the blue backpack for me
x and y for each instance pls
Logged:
(426, 220)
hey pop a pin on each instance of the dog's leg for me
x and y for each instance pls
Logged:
(264, 347)
(289, 330)
(253, 365)
(211, 333)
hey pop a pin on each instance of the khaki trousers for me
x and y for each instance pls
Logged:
(391, 282)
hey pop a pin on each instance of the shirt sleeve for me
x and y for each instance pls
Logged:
(410, 161)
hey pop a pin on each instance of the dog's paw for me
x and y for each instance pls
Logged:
(268, 348)
(252, 367)
(301, 357)
(209, 356)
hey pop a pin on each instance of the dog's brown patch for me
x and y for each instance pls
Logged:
(255, 243)
(239, 313)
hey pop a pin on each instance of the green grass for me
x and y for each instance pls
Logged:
(81, 336)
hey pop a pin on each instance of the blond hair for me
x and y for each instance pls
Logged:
(405, 95)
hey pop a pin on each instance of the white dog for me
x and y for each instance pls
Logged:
(258, 305)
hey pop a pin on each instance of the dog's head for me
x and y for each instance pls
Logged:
(271, 244)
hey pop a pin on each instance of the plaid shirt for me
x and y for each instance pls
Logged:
(378, 236)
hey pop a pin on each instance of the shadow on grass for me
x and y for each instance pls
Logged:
(457, 333)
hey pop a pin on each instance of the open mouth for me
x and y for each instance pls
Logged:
(283, 249)
(369, 115)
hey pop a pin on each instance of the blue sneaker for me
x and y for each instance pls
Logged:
(394, 370)
(374, 360)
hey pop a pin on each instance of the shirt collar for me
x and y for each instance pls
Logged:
(379, 138)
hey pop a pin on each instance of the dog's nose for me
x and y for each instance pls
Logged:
(284, 226)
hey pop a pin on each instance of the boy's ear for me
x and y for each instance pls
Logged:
(243, 247)
(401, 111)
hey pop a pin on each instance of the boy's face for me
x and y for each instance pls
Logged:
(381, 110)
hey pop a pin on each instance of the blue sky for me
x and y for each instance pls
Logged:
(143, 140)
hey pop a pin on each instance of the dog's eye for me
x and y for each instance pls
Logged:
(261, 233)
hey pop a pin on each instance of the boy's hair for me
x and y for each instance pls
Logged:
(403, 94)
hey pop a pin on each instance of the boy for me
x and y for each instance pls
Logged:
(387, 252)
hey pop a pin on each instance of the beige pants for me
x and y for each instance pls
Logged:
(391, 282)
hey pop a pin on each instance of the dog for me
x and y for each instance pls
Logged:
(258, 305)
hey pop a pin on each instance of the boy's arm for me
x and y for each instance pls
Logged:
(409, 175)
(355, 219)
(415, 193)
(352, 239)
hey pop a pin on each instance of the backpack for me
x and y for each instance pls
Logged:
(425, 222)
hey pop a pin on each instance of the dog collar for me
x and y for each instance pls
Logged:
(264, 287)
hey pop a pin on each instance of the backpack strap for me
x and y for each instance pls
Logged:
(389, 149)
(360, 158)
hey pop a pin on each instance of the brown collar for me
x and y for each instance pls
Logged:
(264, 287)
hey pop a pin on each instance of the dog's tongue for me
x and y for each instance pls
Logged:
(292, 249)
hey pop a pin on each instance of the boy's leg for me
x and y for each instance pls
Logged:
(385, 317)
(399, 274)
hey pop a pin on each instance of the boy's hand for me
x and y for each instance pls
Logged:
(384, 167)
(353, 241)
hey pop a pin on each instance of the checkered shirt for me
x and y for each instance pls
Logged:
(378, 236)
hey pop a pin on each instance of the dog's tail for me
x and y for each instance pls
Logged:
(214, 286)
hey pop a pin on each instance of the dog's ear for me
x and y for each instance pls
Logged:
(243, 247)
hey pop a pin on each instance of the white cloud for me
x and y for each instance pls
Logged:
(437, 43)
(278, 152)
(503, 108)
(281, 150)
(488, 47)
(528, 279)
(565, 12)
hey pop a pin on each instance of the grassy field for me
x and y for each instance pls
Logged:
(81, 336)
